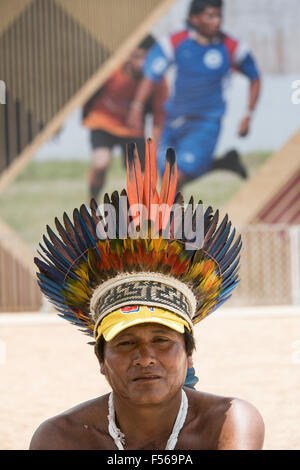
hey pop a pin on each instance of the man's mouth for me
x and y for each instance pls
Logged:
(146, 378)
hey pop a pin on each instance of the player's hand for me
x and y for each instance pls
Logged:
(244, 126)
(135, 118)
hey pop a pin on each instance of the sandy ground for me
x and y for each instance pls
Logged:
(47, 368)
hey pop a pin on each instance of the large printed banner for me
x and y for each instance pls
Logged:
(49, 49)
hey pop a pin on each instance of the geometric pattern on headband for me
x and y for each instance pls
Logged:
(143, 292)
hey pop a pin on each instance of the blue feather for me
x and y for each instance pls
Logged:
(55, 240)
(231, 255)
(69, 226)
(57, 255)
(229, 272)
(226, 246)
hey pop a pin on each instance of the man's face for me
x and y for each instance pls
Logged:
(208, 22)
(136, 61)
(146, 364)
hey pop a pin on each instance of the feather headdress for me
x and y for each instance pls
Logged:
(121, 256)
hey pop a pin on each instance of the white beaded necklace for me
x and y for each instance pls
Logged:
(119, 437)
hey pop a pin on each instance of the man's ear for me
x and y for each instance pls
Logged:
(102, 368)
(96, 352)
(190, 362)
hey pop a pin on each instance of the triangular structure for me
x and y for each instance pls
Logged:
(267, 211)
(18, 288)
(272, 195)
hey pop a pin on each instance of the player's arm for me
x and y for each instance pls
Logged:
(243, 428)
(156, 64)
(254, 91)
(247, 66)
(159, 98)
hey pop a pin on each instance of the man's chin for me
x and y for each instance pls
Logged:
(148, 394)
(210, 34)
(214, 34)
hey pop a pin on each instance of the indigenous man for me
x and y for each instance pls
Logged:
(203, 57)
(140, 298)
(106, 112)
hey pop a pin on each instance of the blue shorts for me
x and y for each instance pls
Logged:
(194, 141)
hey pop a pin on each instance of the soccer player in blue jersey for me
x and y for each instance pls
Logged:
(204, 56)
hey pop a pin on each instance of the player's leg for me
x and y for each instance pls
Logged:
(231, 161)
(195, 150)
(101, 159)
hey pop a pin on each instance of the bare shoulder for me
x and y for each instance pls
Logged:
(50, 434)
(243, 427)
(72, 429)
(226, 422)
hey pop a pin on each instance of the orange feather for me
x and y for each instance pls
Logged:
(134, 180)
(168, 186)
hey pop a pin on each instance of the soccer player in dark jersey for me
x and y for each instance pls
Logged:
(204, 56)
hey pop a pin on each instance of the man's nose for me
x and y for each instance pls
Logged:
(143, 355)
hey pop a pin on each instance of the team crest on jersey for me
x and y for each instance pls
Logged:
(189, 157)
(159, 64)
(213, 59)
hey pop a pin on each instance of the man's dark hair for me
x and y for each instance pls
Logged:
(188, 337)
(147, 43)
(197, 6)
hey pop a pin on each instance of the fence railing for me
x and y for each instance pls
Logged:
(19, 291)
(270, 266)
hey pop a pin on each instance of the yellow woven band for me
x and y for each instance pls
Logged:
(132, 315)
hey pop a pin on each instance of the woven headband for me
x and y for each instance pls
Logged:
(151, 289)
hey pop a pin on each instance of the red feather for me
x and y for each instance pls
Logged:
(150, 179)
(134, 180)
(168, 187)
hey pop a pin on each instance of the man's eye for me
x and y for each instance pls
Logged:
(161, 340)
(125, 343)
